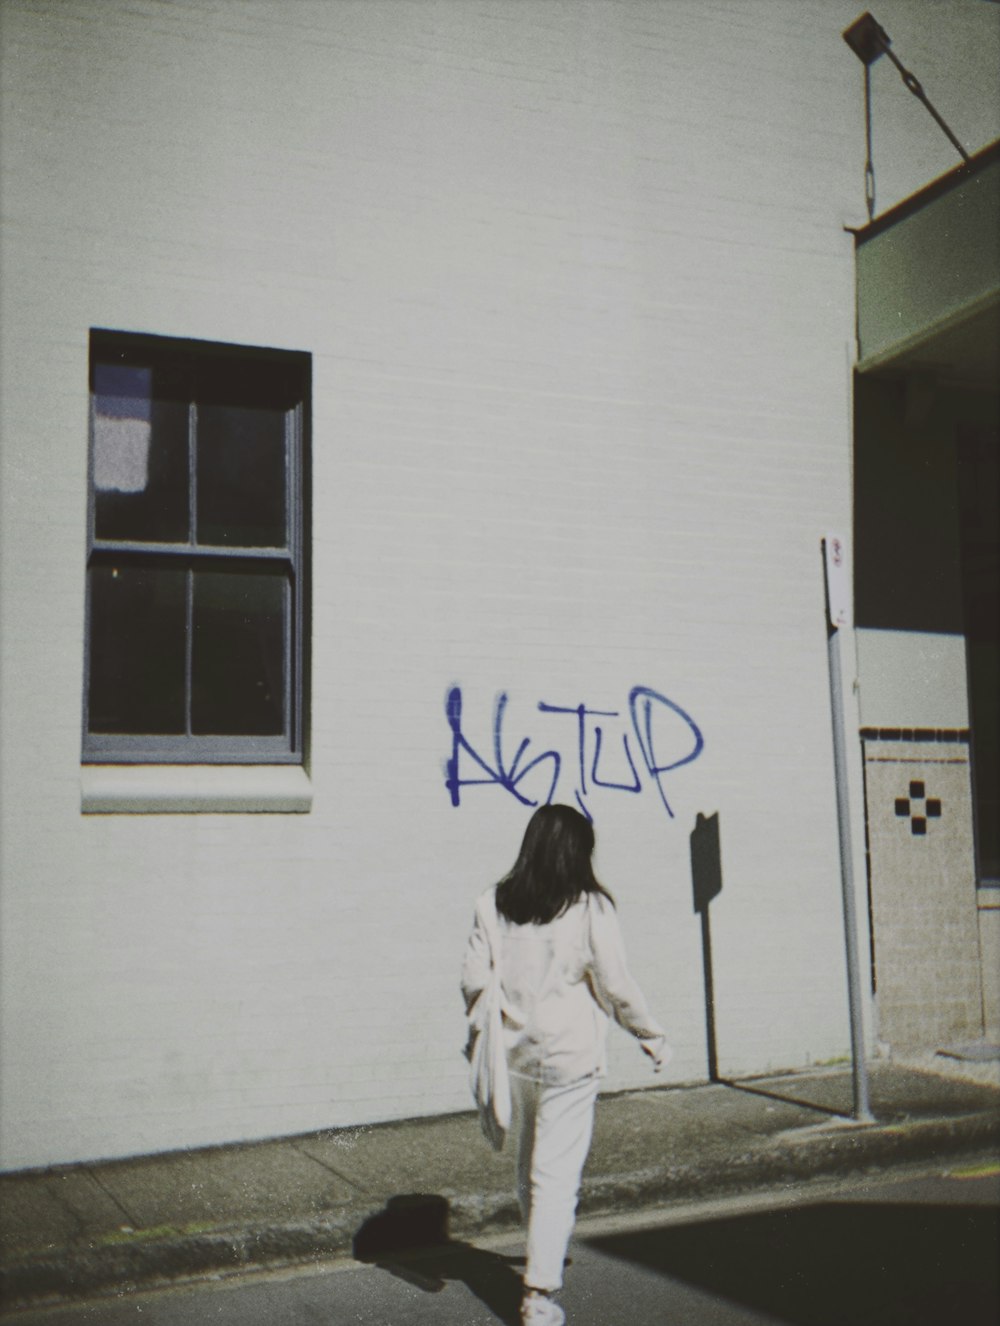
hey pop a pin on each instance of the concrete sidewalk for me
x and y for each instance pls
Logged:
(129, 1224)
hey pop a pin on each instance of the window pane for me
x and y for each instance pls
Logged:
(137, 649)
(238, 677)
(195, 447)
(140, 455)
(241, 476)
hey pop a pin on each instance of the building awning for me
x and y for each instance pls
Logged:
(928, 277)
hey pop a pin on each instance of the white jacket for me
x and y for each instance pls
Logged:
(560, 983)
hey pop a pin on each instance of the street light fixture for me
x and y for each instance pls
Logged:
(869, 41)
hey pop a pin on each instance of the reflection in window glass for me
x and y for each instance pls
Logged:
(241, 476)
(137, 657)
(140, 457)
(122, 428)
(237, 681)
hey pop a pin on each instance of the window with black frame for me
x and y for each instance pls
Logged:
(196, 574)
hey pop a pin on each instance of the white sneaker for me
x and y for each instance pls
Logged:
(540, 1310)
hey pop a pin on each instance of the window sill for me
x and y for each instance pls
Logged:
(187, 789)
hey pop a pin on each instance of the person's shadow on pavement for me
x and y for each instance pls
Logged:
(410, 1239)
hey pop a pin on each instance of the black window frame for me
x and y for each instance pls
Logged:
(197, 360)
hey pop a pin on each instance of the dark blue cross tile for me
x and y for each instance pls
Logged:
(918, 814)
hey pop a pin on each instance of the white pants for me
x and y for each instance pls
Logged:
(553, 1126)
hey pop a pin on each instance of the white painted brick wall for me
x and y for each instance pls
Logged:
(579, 299)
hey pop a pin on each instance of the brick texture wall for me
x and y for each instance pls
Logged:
(579, 300)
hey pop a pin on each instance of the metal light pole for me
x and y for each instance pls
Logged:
(838, 615)
(869, 41)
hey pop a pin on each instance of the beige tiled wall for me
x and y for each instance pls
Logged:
(923, 883)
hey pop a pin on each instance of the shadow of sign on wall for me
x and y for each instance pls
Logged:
(706, 878)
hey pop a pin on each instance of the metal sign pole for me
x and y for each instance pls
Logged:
(838, 615)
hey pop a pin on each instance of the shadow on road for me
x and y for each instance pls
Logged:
(784, 1098)
(410, 1239)
(826, 1265)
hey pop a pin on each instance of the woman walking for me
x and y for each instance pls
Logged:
(550, 933)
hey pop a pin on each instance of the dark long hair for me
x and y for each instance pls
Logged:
(552, 870)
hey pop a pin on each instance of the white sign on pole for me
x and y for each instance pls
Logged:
(838, 583)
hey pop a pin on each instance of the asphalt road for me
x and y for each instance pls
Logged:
(913, 1249)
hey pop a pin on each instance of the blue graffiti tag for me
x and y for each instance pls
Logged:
(640, 702)
(647, 710)
(497, 773)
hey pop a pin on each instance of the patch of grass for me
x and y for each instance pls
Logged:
(119, 1236)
